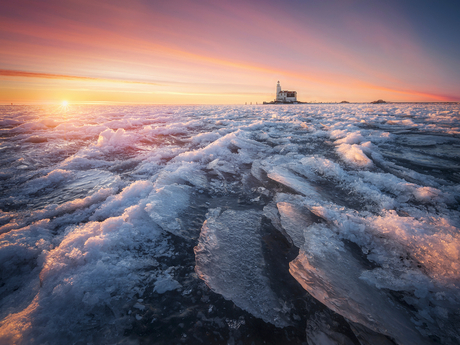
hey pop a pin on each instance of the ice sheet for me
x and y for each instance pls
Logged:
(91, 196)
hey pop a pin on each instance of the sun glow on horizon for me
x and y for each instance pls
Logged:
(64, 103)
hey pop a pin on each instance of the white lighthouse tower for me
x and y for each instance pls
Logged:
(278, 90)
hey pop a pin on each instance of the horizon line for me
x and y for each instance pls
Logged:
(59, 103)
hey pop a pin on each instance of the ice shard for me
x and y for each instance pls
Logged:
(164, 206)
(294, 220)
(230, 260)
(329, 271)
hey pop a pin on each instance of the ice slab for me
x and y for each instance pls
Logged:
(165, 204)
(165, 282)
(222, 166)
(271, 212)
(294, 219)
(230, 260)
(182, 173)
(116, 204)
(327, 269)
(354, 155)
(291, 180)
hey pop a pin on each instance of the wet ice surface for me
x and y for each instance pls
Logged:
(318, 224)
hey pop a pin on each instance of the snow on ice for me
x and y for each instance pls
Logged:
(357, 206)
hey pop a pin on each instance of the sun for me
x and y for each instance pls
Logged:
(65, 103)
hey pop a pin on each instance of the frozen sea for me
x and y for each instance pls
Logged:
(301, 224)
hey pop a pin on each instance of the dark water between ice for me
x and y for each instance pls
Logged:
(305, 224)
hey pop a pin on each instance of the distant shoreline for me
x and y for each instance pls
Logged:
(273, 103)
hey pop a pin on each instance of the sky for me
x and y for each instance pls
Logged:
(228, 52)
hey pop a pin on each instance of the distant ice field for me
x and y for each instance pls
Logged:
(315, 223)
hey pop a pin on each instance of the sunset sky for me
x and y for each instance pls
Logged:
(228, 52)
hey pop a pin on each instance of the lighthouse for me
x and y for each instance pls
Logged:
(284, 96)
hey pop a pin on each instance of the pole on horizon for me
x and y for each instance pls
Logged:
(65, 123)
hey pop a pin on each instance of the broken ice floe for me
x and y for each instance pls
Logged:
(338, 275)
(165, 204)
(229, 259)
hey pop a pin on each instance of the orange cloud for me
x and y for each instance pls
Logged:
(11, 73)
